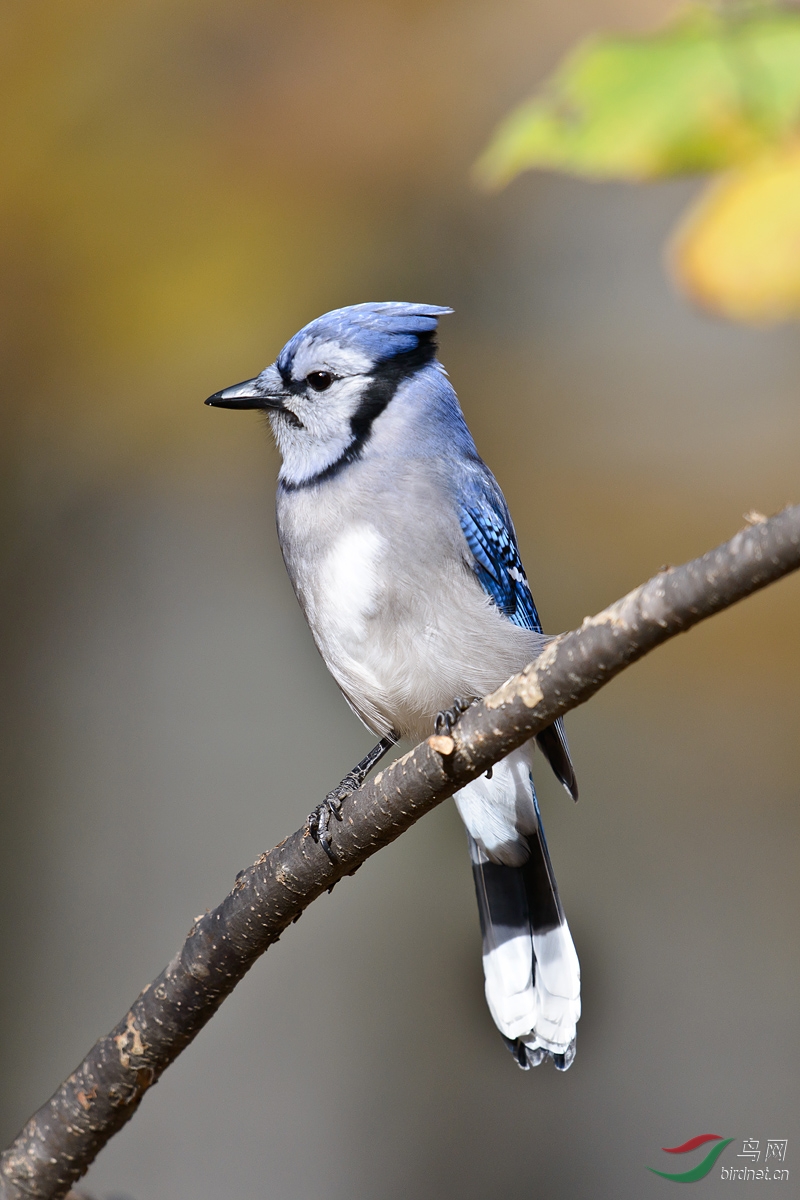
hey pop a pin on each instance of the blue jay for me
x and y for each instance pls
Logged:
(403, 556)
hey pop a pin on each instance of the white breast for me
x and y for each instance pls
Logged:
(346, 593)
(349, 588)
(401, 633)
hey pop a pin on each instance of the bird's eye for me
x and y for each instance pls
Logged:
(319, 380)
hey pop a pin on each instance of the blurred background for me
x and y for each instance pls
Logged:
(184, 184)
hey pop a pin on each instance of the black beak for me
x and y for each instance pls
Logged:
(245, 395)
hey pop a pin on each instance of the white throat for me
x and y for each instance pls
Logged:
(304, 456)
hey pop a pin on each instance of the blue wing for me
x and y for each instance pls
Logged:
(498, 566)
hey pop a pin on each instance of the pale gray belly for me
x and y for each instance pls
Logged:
(402, 647)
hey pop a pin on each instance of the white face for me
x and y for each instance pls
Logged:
(329, 382)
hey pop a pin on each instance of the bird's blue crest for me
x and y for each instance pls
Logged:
(379, 330)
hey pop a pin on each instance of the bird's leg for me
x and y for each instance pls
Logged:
(446, 720)
(319, 820)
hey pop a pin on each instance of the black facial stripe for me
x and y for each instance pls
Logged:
(295, 387)
(385, 382)
(382, 388)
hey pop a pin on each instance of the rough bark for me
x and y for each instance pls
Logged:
(60, 1141)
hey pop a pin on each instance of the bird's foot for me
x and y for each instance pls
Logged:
(446, 720)
(319, 820)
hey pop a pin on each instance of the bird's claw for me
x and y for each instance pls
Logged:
(446, 720)
(318, 822)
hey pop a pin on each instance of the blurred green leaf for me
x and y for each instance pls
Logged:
(709, 91)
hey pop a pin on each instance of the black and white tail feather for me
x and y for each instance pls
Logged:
(533, 980)
(529, 961)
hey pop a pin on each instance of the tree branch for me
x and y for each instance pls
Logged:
(60, 1141)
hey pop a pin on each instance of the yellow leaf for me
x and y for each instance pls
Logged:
(737, 253)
